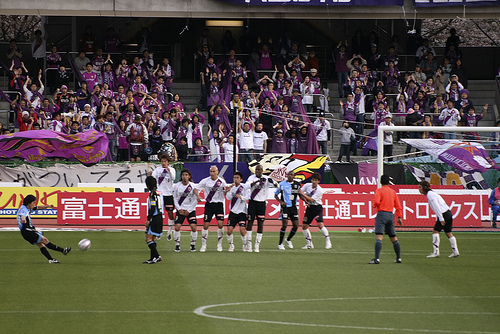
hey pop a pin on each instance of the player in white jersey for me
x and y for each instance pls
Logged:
(258, 186)
(314, 211)
(165, 176)
(213, 187)
(444, 219)
(238, 194)
(185, 198)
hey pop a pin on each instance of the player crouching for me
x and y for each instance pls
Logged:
(238, 194)
(314, 211)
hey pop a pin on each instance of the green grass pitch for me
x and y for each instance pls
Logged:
(108, 290)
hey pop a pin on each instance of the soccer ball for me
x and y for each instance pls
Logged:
(84, 244)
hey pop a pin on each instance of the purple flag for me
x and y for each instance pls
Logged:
(370, 142)
(463, 155)
(312, 141)
(86, 147)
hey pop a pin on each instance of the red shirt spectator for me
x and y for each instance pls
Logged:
(26, 120)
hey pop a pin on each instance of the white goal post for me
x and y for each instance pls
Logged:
(384, 128)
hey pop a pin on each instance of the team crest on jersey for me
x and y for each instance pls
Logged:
(302, 165)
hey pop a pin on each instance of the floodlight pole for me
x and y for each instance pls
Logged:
(383, 128)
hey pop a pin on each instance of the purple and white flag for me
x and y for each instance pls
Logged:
(463, 155)
(468, 181)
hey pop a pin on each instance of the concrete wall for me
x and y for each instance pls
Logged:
(220, 9)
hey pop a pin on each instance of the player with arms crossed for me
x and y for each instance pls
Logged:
(154, 224)
(30, 234)
(213, 187)
(165, 175)
(444, 219)
(258, 185)
(386, 199)
(238, 194)
(289, 190)
(314, 211)
(185, 198)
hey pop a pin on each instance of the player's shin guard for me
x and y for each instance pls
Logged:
(204, 237)
(194, 237)
(177, 238)
(50, 245)
(378, 248)
(258, 239)
(220, 235)
(292, 233)
(170, 225)
(307, 235)
(397, 248)
(46, 253)
(230, 239)
(249, 237)
(325, 232)
(154, 251)
(435, 243)
(453, 243)
(282, 236)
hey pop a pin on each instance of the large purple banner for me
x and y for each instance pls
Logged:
(436, 3)
(87, 147)
(320, 2)
(465, 156)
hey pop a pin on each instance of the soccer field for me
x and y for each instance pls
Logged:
(108, 290)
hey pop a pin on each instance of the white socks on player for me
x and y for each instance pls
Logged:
(194, 237)
(204, 237)
(244, 239)
(170, 225)
(258, 239)
(249, 237)
(307, 235)
(220, 235)
(435, 243)
(325, 232)
(230, 239)
(177, 238)
(453, 243)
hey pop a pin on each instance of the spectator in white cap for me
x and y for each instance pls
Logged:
(26, 120)
(388, 136)
(315, 80)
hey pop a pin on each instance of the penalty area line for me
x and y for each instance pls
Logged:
(202, 311)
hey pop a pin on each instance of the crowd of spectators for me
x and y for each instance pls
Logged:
(271, 91)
